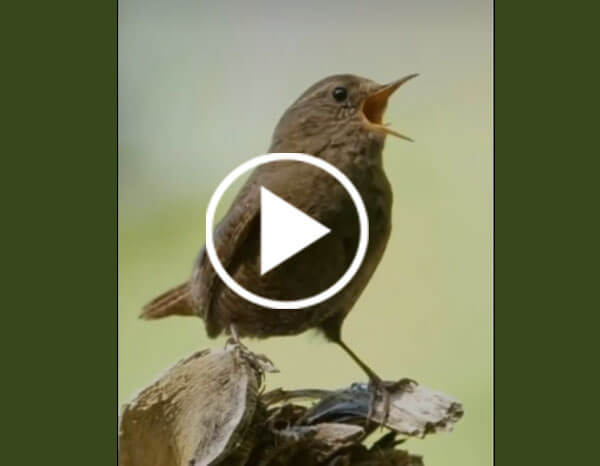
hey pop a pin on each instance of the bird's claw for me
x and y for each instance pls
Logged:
(258, 361)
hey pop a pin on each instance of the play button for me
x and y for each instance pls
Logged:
(284, 230)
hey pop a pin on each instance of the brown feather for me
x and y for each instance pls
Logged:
(174, 302)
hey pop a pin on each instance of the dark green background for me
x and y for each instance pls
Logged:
(546, 234)
(59, 173)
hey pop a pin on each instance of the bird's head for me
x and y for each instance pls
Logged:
(337, 106)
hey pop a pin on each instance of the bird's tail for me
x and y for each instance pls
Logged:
(174, 302)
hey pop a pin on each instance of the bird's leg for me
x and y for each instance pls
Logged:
(234, 339)
(258, 361)
(378, 384)
(234, 334)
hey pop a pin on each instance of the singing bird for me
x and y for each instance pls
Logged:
(340, 120)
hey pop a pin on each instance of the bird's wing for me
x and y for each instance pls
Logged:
(229, 238)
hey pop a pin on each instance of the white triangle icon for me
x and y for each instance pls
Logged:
(284, 230)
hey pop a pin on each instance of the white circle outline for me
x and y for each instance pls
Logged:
(298, 303)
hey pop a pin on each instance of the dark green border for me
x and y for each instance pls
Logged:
(546, 216)
(59, 307)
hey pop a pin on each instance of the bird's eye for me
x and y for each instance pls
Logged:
(340, 94)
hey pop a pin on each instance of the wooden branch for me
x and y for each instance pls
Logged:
(208, 409)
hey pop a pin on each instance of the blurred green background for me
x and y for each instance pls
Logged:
(201, 86)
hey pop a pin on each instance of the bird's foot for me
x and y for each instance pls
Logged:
(260, 362)
(381, 395)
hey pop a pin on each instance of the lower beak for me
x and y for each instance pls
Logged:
(375, 104)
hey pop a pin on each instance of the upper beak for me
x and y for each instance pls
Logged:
(374, 106)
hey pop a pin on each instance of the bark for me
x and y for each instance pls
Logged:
(209, 409)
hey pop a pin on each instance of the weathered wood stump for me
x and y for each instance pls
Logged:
(209, 409)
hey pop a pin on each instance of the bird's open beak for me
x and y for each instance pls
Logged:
(374, 106)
